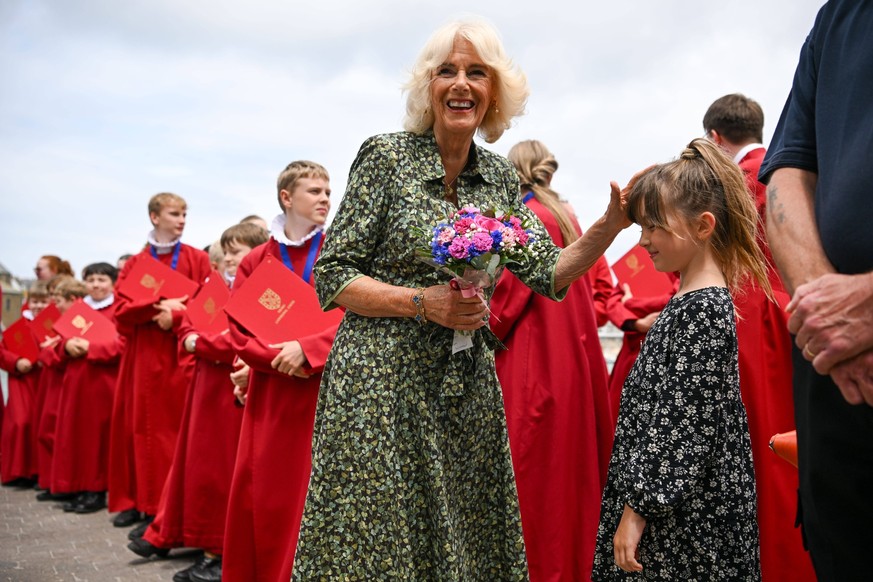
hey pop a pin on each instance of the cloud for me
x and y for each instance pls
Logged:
(104, 105)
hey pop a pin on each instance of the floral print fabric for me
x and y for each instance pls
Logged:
(412, 477)
(682, 456)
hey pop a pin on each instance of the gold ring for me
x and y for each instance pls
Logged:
(807, 352)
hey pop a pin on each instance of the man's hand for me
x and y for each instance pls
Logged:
(854, 377)
(832, 317)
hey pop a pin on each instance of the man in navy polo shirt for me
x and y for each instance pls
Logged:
(819, 171)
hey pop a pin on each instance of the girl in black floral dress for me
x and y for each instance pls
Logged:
(679, 502)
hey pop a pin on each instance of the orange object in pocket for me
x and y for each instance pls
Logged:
(785, 446)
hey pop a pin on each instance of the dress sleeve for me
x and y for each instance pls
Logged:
(537, 271)
(362, 215)
(678, 442)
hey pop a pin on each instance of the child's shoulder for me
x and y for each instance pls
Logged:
(260, 252)
(708, 300)
(194, 251)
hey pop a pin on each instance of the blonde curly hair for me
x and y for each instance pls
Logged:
(510, 83)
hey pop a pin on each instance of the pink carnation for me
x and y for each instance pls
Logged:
(445, 236)
(520, 235)
(462, 225)
(459, 248)
(482, 241)
(508, 237)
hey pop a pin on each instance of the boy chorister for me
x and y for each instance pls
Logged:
(274, 455)
(81, 455)
(153, 376)
(18, 438)
(64, 290)
(194, 501)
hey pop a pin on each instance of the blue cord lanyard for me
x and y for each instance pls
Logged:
(310, 259)
(176, 248)
(527, 197)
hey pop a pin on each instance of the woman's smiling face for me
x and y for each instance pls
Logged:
(461, 91)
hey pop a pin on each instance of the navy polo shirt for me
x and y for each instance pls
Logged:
(826, 127)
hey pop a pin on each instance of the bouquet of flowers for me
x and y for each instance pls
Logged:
(473, 245)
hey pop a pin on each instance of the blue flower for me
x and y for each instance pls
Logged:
(497, 237)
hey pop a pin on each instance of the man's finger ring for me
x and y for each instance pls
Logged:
(808, 352)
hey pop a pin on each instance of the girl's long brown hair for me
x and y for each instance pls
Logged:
(704, 179)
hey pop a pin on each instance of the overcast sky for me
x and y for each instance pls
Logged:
(104, 103)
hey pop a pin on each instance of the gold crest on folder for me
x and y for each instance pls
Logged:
(270, 299)
(633, 263)
(149, 282)
(82, 324)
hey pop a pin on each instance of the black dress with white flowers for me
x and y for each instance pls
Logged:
(682, 456)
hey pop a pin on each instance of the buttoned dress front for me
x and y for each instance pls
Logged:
(412, 477)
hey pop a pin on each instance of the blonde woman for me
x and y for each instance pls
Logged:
(411, 471)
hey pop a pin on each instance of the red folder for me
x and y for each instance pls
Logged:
(205, 309)
(42, 325)
(80, 320)
(18, 339)
(637, 270)
(152, 280)
(276, 305)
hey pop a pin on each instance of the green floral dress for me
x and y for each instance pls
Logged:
(411, 473)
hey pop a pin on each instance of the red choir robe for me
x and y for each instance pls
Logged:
(600, 278)
(81, 454)
(18, 438)
(767, 392)
(274, 457)
(48, 398)
(619, 312)
(121, 486)
(150, 396)
(193, 504)
(554, 382)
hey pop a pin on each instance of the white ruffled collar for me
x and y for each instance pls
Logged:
(744, 151)
(277, 231)
(102, 304)
(161, 248)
